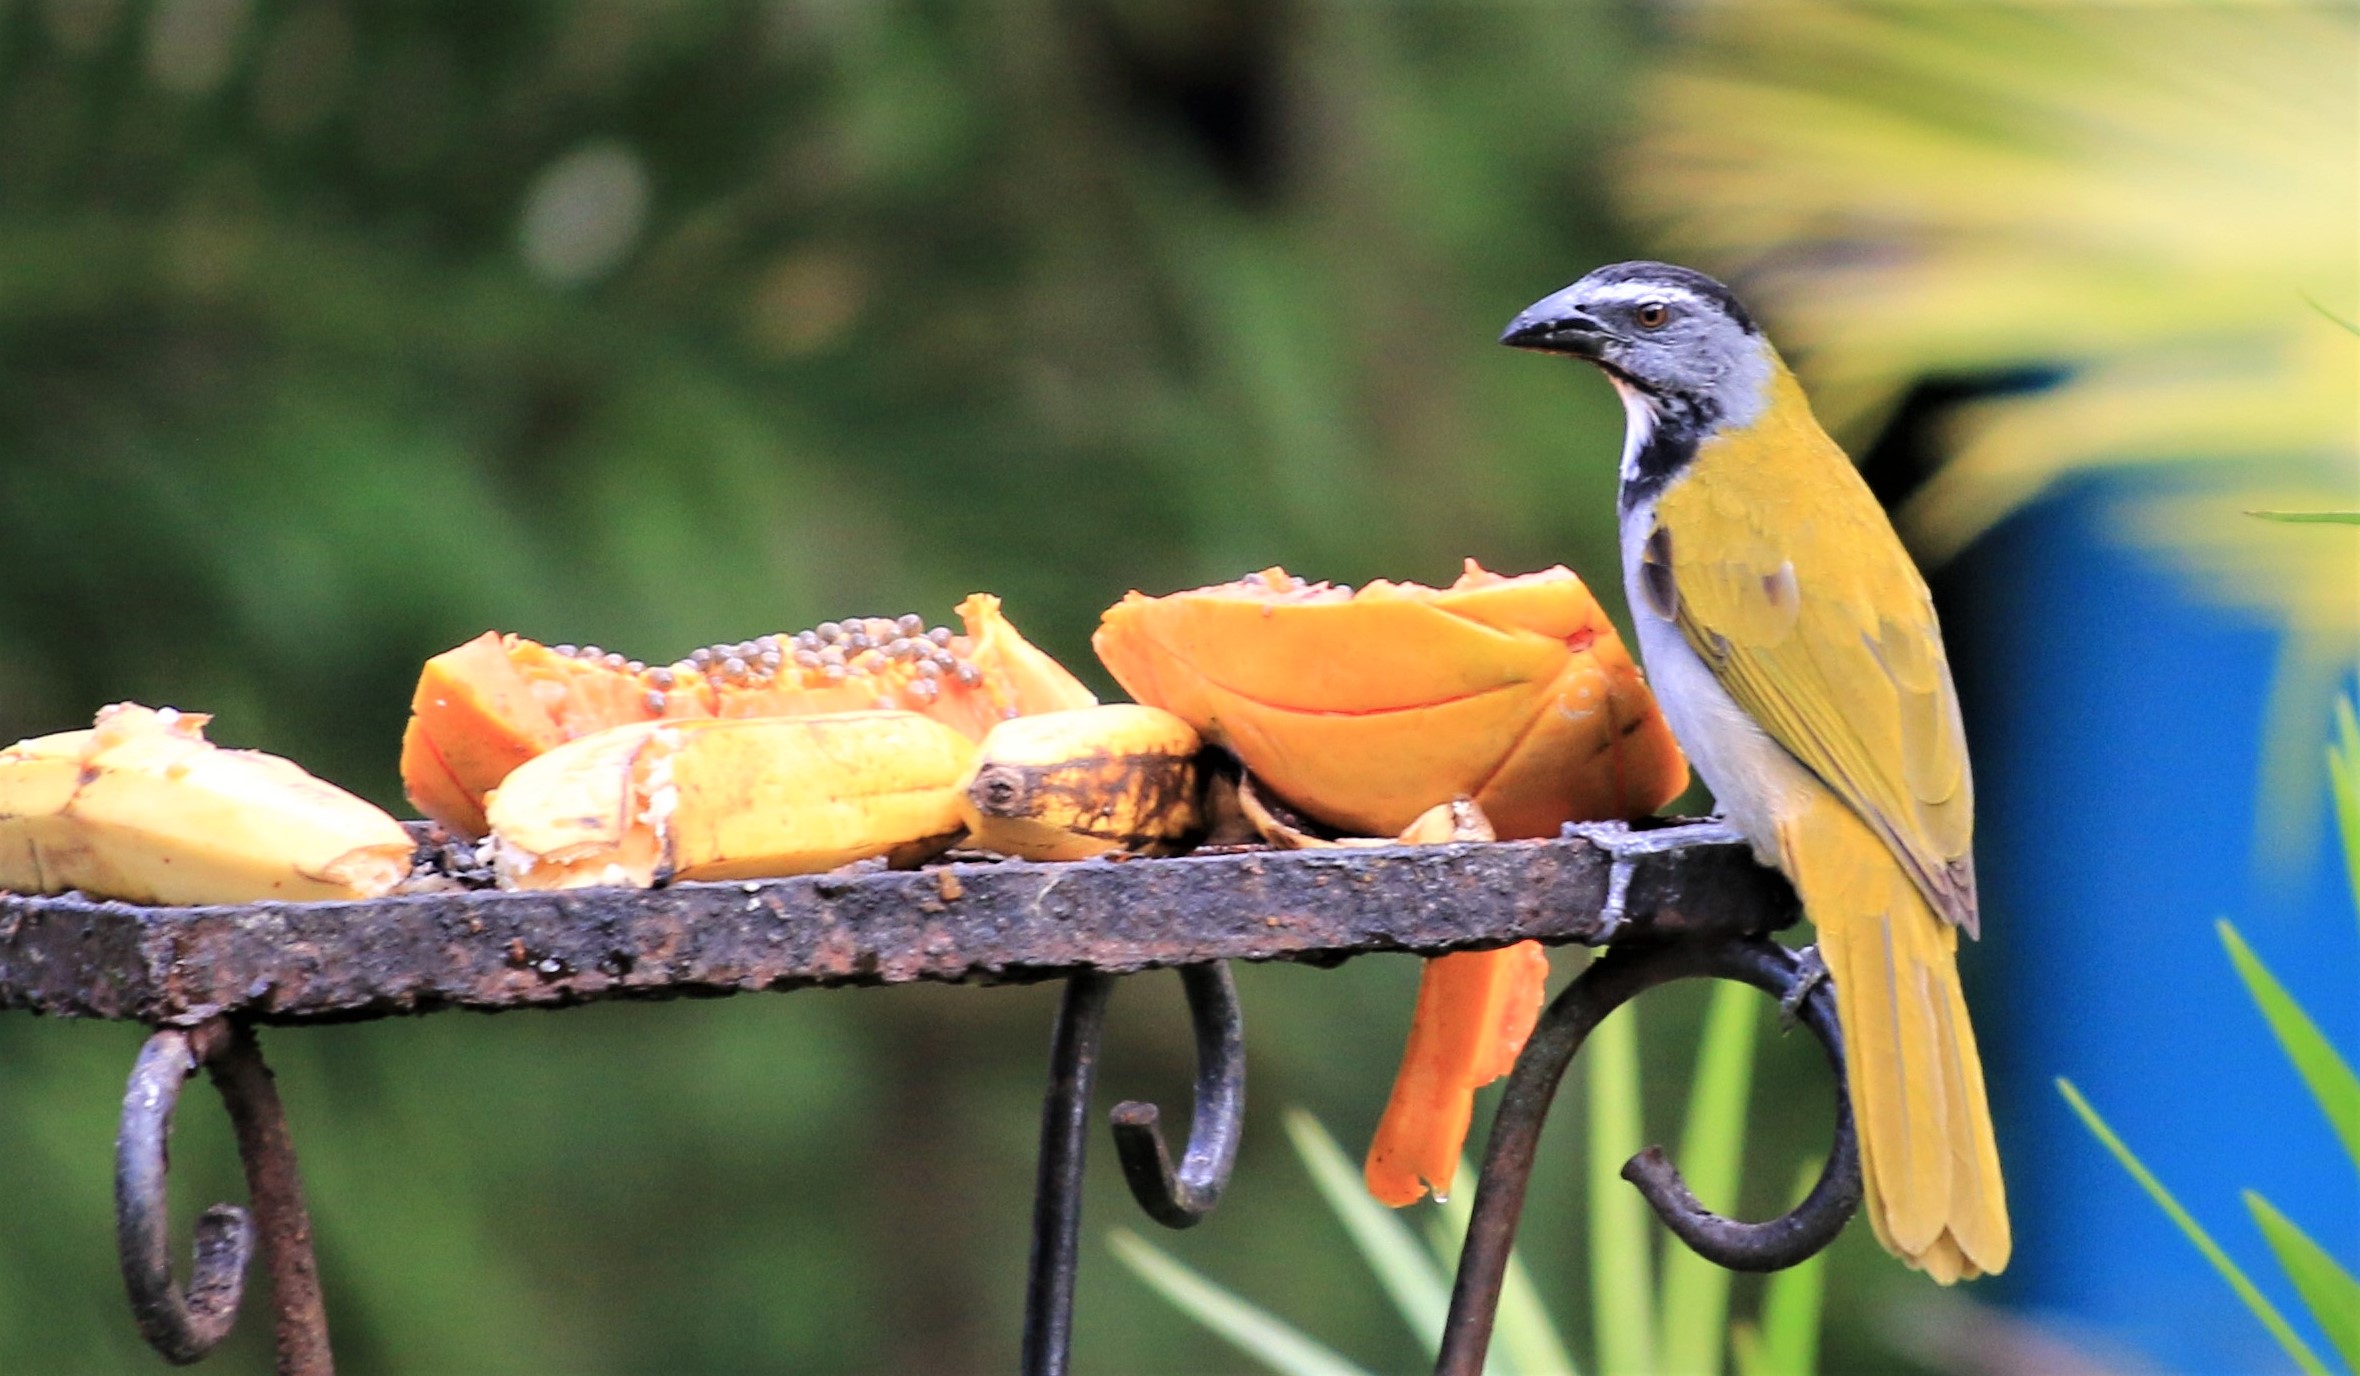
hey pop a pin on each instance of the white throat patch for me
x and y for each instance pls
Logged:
(1638, 425)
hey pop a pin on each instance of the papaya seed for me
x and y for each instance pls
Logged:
(567, 650)
(832, 673)
(927, 671)
(910, 623)
(655, 702)
(590, 652)
(828, 630)
(807, 659)
(940, 635)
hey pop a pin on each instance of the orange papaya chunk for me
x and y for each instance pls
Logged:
(1475, 1011)
(1364, 709)
(491, 704)
(474, 717)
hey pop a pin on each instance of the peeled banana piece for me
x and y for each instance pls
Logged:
(735, 798)
(1070, 785)
(142, 807)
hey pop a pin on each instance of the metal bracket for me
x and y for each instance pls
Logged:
(1174, 1199)
(1615, 978)
(185, 1325)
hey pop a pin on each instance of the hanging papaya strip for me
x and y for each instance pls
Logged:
(1475, 1010)
(484, 708)
(1364, 709)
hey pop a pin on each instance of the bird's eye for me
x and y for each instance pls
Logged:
(1651, 315)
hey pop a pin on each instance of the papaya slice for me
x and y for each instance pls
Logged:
(1364, 710)
(488, 706)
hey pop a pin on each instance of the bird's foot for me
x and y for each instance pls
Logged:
(1790, 1005)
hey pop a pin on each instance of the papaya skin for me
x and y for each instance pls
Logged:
(486, 707)
(1363, 710)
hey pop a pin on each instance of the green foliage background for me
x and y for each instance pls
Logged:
(332, 334)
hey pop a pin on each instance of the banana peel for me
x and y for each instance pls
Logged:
(141, 807)
(738, 798)
(1092, 781)
(1460, 819)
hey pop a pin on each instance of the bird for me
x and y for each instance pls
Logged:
(1794, 648)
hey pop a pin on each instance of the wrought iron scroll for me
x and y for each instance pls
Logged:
(184, 1325)
(1613, 979)
(1175, 1198)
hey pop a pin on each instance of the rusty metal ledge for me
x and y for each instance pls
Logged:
(986, 922)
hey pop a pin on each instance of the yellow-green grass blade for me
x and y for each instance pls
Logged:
(1524, 1339)
(1622, 1299)
(2320, 518)
(2329, 1078)
(2316, 304)
(2343, 773)
(2262, 1309)
(1712, 1150)
(1791, 1302)
(2328, 1290)
(1254, 1331)
(1402, 1265)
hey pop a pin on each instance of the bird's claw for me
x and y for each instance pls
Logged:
(1812, 971)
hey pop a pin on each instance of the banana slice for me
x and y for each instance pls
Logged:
(142, 807)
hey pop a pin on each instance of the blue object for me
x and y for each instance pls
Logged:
(2116, 724)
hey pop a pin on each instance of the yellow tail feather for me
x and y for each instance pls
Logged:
(1931, 1168)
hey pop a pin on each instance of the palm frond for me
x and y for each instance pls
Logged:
(2139, 199)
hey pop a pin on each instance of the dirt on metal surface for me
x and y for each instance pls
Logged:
(959, 921)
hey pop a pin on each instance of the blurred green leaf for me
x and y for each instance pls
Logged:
(2255, 1301)
(1622, 1290)
(1712, 1148)
(1418, 1288)
(2343, 775)
(2320, 518)
(1792, 1301)
(1268, 1340)
(2316, 304)
(2330, 1079)
(2328, 1290)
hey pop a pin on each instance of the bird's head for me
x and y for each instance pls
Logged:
(1673, 340)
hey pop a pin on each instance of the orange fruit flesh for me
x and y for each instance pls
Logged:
(489, 705)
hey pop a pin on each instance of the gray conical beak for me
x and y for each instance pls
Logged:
(1555, 325)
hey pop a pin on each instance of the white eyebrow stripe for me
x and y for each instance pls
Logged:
(1623, 293)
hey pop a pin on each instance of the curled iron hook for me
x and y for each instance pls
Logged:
(181, 1325)
(1179, 1199)
(185, 1325)
(1613, 979)
(1174, 1198)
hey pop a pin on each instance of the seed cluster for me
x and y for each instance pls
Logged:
(902, 654)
